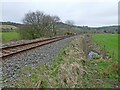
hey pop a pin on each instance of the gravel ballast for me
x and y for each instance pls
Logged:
(32, 58)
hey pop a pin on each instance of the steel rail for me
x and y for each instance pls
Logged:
(34, 44)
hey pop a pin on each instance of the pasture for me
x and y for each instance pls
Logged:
(8, 27)
(9, 36)
(109, 42)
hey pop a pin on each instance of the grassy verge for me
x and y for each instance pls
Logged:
(9, 36)
(71, 69)
(43, 76)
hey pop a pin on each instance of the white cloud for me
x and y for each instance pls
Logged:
(82, 12)
(60, 1)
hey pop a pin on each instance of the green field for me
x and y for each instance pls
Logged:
(8, 27)
(9, 36)
(109, 68)
(110, 41)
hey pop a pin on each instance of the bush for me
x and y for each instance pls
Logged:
(28, 32)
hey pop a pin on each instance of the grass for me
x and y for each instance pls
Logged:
(9, 36)
(70, 69)
(108, 68)
(40, 77)
(110, 41)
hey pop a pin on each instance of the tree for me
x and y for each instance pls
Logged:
(55, 19)
(40, 23)
(35, 21)
(70, 23)
(50, 23)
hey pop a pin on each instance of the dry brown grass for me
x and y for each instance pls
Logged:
(71, 69)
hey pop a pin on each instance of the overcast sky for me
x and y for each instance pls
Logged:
(82, 12)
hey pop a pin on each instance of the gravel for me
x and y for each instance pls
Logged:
(32, 58)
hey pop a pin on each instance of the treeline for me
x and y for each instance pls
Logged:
(10, 23)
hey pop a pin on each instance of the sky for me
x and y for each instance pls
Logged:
(92, 13)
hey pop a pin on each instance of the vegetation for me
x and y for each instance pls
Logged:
(8, 36)
(107, 29)
(108, 42)
(37, 24)
(47, 29)
(10, 23)
(8, 28)
(71, 69)
(48, 26)
(41, 76)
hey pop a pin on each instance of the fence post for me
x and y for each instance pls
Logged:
(113, 55)
(104, 52)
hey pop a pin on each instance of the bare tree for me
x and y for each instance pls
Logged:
(55, 20)
(35, 20)
(40, 23)
(50, 23)
(70, 23)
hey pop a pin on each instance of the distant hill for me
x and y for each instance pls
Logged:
(77, 29)
(64, 28)
(11, 23)
(107, 29)
(9, 26)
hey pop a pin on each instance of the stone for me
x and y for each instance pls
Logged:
(93, 55)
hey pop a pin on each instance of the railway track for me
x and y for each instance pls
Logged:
(16, 49)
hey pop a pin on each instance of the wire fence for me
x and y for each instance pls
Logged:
(88, 46)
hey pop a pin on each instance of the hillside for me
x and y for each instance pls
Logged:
(62, 28)
(107, 29)
(11, 23)
(9, 26)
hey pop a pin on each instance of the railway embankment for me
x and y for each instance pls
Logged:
(39, 56)
(68, 69)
